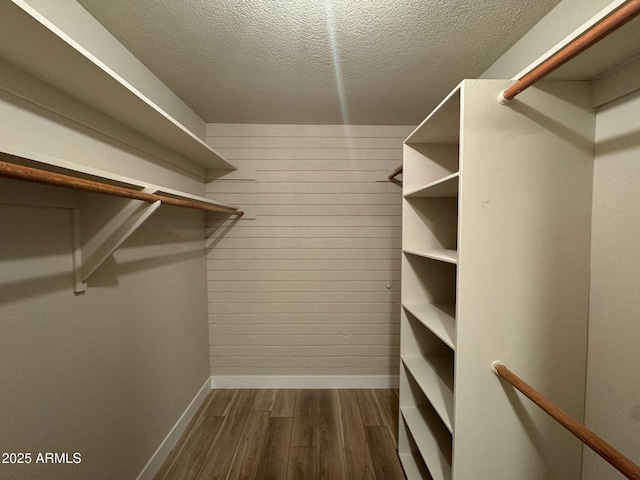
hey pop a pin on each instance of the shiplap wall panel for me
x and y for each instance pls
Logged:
(320, 220)
(332, 176)
(301, 242)
(315, 275)
(311, 285)
(295, 307)
(311, 198)
(308, 142)
(368, 264)
(311, 351)
(342, 164)
(303, 297)
(380, 186)
(336, 328)
(381, 364)
(320, 319)
(320, 253)
(241, 152)
(309, 232)
(313, 131)
(318, 340)
(353, 210)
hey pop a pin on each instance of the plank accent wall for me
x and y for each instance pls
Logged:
(309, 282)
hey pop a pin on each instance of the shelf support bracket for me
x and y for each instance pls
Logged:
(100, 242)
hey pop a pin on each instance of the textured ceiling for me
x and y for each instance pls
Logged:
(316, 62)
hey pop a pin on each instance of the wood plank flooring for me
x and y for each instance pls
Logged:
(289, 435)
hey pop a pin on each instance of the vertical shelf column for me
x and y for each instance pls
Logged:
(429, 264)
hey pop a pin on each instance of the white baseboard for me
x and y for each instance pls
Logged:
(304, 381)
(161, 454)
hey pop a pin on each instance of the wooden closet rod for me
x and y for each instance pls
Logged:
(593, 441)
(615, 20)
(395, 173)
(19, 172)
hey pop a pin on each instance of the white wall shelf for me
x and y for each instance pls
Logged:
(46, 162)
(443, 255)
(29, 41)
(438, 317)
(444, 187)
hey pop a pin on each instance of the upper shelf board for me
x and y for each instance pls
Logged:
(442, 255)
(46, 162)
(440, 318)
(443, 123)
(36, 46)
(444, 188)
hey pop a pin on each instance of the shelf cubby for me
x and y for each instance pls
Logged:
(431, 152)
(412, 462)
(430, 362)
(430, 224)
(432, 438)
(427, 281)
(442, 125)
(425, 164)
(434, 375)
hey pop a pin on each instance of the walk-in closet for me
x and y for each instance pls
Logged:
(332, 240)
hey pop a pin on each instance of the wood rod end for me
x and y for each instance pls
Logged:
(494, 367)
(502, 98)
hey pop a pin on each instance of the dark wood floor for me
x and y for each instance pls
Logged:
(290, 435)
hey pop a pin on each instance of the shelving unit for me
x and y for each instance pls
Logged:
(495, 249)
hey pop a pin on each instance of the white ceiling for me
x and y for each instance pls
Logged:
(316, 62)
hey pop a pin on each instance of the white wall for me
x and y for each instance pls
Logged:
(311, 285)
(613, 375)
(109, 373)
